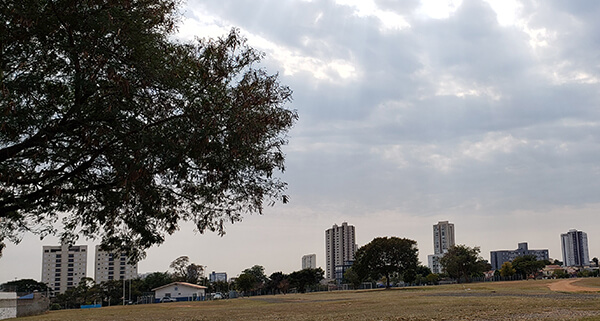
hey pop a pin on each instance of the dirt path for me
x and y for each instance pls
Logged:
(569, 286)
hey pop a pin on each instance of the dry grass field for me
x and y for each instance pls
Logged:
(520, 300)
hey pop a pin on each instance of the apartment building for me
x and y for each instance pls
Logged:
(63, 266)
(340, 247)
(309, 261)
(575, 248)
(497, 258)
(443, 239)
(110, 266)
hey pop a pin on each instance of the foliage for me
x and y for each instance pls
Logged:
(218, 286)
(112, 129)
(245, 283)
(305, 278)
(507, 269)
(560, 274)
(185, 271)
(350, 276)
(86, 292)
(278, 283)
(527, 265)
(258, 271)
(433, 278)
(462, 262)
(155, 280)
(595, 260)
(384, 257)
(24, 286)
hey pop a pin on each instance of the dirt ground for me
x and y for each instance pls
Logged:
(570, 285)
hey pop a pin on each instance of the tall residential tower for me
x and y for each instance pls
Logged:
(110, 266)
(575, 248)
(340, 247)
(443, 239)
(63, 266)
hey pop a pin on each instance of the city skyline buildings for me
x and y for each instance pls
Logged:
(575, 250)
(340, 247)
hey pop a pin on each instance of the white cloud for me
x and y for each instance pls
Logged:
(438, 9)
(389, 20)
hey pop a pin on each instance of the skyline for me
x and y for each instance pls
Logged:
(482, 113)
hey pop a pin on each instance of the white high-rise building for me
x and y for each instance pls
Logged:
(309, 261)
(63, 266)
(109, 266)
(575, 248)
(340, 247)
(443, 239)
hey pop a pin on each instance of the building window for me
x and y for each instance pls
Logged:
(57, 280)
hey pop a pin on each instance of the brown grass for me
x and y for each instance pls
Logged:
(520, 300)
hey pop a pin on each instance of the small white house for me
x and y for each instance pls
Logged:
(182, 291)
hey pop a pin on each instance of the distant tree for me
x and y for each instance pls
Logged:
(275, 285)
(245, 283)
(595, 260)
(86, 292)
(560, 274)
(258, 272)
(462, 262)
(557, 262)
(305, 278)
(384, 257)
(219, 286)
(350, 276)
(507, 269)
(433, 278)
(185, 271)
(113, 129)
(527, 265)
(155, 280)
(24, 286)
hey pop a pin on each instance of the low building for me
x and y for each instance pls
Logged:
(497, 258)
(181, 291)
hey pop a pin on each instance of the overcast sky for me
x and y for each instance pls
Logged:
(482, 113)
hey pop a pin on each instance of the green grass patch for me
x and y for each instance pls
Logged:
(518, 300)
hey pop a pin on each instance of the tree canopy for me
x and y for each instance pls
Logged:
(186, 271)
(527, 265)
(385, 257)
(462, 262)
(117, 131)
(305, 278)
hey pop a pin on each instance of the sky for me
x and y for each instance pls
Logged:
(484, 113)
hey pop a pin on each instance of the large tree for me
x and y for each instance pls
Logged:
(117, 131)
(527, 265)
(186, 271)
(305, 278)
(386, 257)
(463, 262)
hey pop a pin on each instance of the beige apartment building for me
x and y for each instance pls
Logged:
(63, 266)
(340, 248)
(109, 266)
